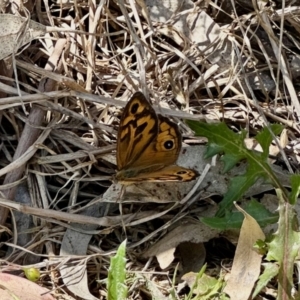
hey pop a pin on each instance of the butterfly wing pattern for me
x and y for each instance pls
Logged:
(148, 145)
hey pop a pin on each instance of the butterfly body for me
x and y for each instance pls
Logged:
(148, 145)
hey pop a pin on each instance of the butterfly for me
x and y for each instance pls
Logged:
(148, 145)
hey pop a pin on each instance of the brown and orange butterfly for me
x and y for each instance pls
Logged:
(148, 146)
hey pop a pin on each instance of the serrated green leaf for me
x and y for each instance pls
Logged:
(284, 246)
(222, 140)
(233, 220)
(237, 188)
(285, 240)
(212, 149)
(116, 288)
(230, 161)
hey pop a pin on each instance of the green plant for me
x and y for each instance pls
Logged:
(285, 243)
(116, 287)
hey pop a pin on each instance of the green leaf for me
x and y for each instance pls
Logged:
(284, 246)
(116, 288)
(271, 270)
(295, 184)
(203, 286)
(222, 140)
(212, 149)
(238, 186)
(261, 247)
(233, 220)
(207, 287)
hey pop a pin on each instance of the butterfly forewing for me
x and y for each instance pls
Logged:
(138, 128)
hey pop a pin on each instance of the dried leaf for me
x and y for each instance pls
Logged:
(193, 233)
(76, 242)
(15, 287)
(246, 264)
(11, 31)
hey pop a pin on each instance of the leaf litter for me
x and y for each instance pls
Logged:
(201, 61)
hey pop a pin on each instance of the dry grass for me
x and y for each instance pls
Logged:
(58, 138)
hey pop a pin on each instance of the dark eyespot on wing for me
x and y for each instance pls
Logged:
(169, 137)
(169, 145)
(134, 108)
